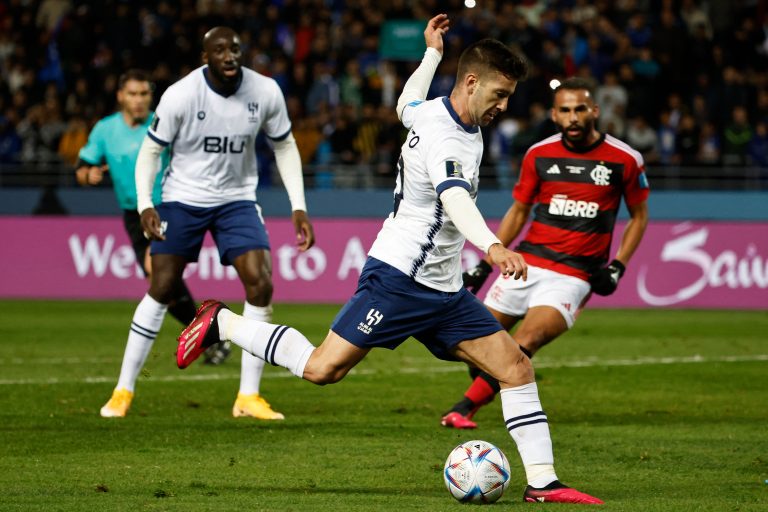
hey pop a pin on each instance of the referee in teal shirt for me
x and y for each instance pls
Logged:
(112, 146)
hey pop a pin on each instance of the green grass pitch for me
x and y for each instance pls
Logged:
(651, 410)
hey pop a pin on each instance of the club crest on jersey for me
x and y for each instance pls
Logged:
(201, 115)
(601, 175)
(372, 319)
(253, 108)
(453, 169)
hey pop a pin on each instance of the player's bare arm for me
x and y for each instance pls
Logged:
(150, 223)
(436, 29)
(633, 232)
(305, 234)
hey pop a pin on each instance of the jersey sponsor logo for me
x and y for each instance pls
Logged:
(559, 204)
(643, 180)
(453, 169)
(601, 175)
(155, 122)
(574, 169)
(372, 319)
(223, 145)
(553, 170)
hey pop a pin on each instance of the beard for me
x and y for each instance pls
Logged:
(577, 134)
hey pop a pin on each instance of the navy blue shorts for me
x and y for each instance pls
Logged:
(236, 228)
(388, 307)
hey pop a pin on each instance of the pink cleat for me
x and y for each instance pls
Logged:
(558, 493)
(200, 334)
(456, 420)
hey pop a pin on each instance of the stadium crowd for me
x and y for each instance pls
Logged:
(683, 81)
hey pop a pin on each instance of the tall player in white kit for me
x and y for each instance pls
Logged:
(411, 283)
(210, 119)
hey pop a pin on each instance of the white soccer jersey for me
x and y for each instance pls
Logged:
(440, 152)
(212, 137)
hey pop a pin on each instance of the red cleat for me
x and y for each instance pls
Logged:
(200, 334)
(558, 493)
(456, 420)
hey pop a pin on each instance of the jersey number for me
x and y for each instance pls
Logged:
(400, 183)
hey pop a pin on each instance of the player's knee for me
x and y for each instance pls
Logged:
(162, 290)
(259, 289)
(517, 371)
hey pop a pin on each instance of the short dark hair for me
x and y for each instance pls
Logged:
(133, 74)
(576, 83)
(492, 55)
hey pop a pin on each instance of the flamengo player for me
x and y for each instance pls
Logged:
(578, 178)
(210, 119)
(411, 283)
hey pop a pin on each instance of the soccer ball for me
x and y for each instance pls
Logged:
(476, 472)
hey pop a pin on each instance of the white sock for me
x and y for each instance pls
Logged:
(251, 367)
(528, 426)
(278, 345)
(146, 323)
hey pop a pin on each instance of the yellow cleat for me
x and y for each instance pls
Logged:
(254, 406)
(118, 405)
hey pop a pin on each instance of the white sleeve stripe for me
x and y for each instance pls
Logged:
(623, 146)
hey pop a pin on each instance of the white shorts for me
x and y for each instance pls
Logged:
(567, 294)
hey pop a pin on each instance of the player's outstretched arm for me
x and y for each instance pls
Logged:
(605, 280)
(463, 212)
(417, 85)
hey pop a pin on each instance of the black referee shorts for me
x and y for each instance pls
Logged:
(132, 223)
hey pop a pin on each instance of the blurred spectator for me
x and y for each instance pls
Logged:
(367, 134)
(687, 140)
(736, 138)
(709, 145)
(643, 138)
(666, 136)
(59, 61)
(10, 142)
(324, 92)
(74, 137)
(758, 146)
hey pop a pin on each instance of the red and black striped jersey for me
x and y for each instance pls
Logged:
(578, 194)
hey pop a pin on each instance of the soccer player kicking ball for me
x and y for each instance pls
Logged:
(578, 177)
(210, 119)
(411, 283)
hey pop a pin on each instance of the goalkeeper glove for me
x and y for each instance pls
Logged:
(474, 278)
(605, 280)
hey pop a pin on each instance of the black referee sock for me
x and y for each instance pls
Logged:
(182, 307)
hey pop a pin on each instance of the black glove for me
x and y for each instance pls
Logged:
(474, 278)
(605, 280)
